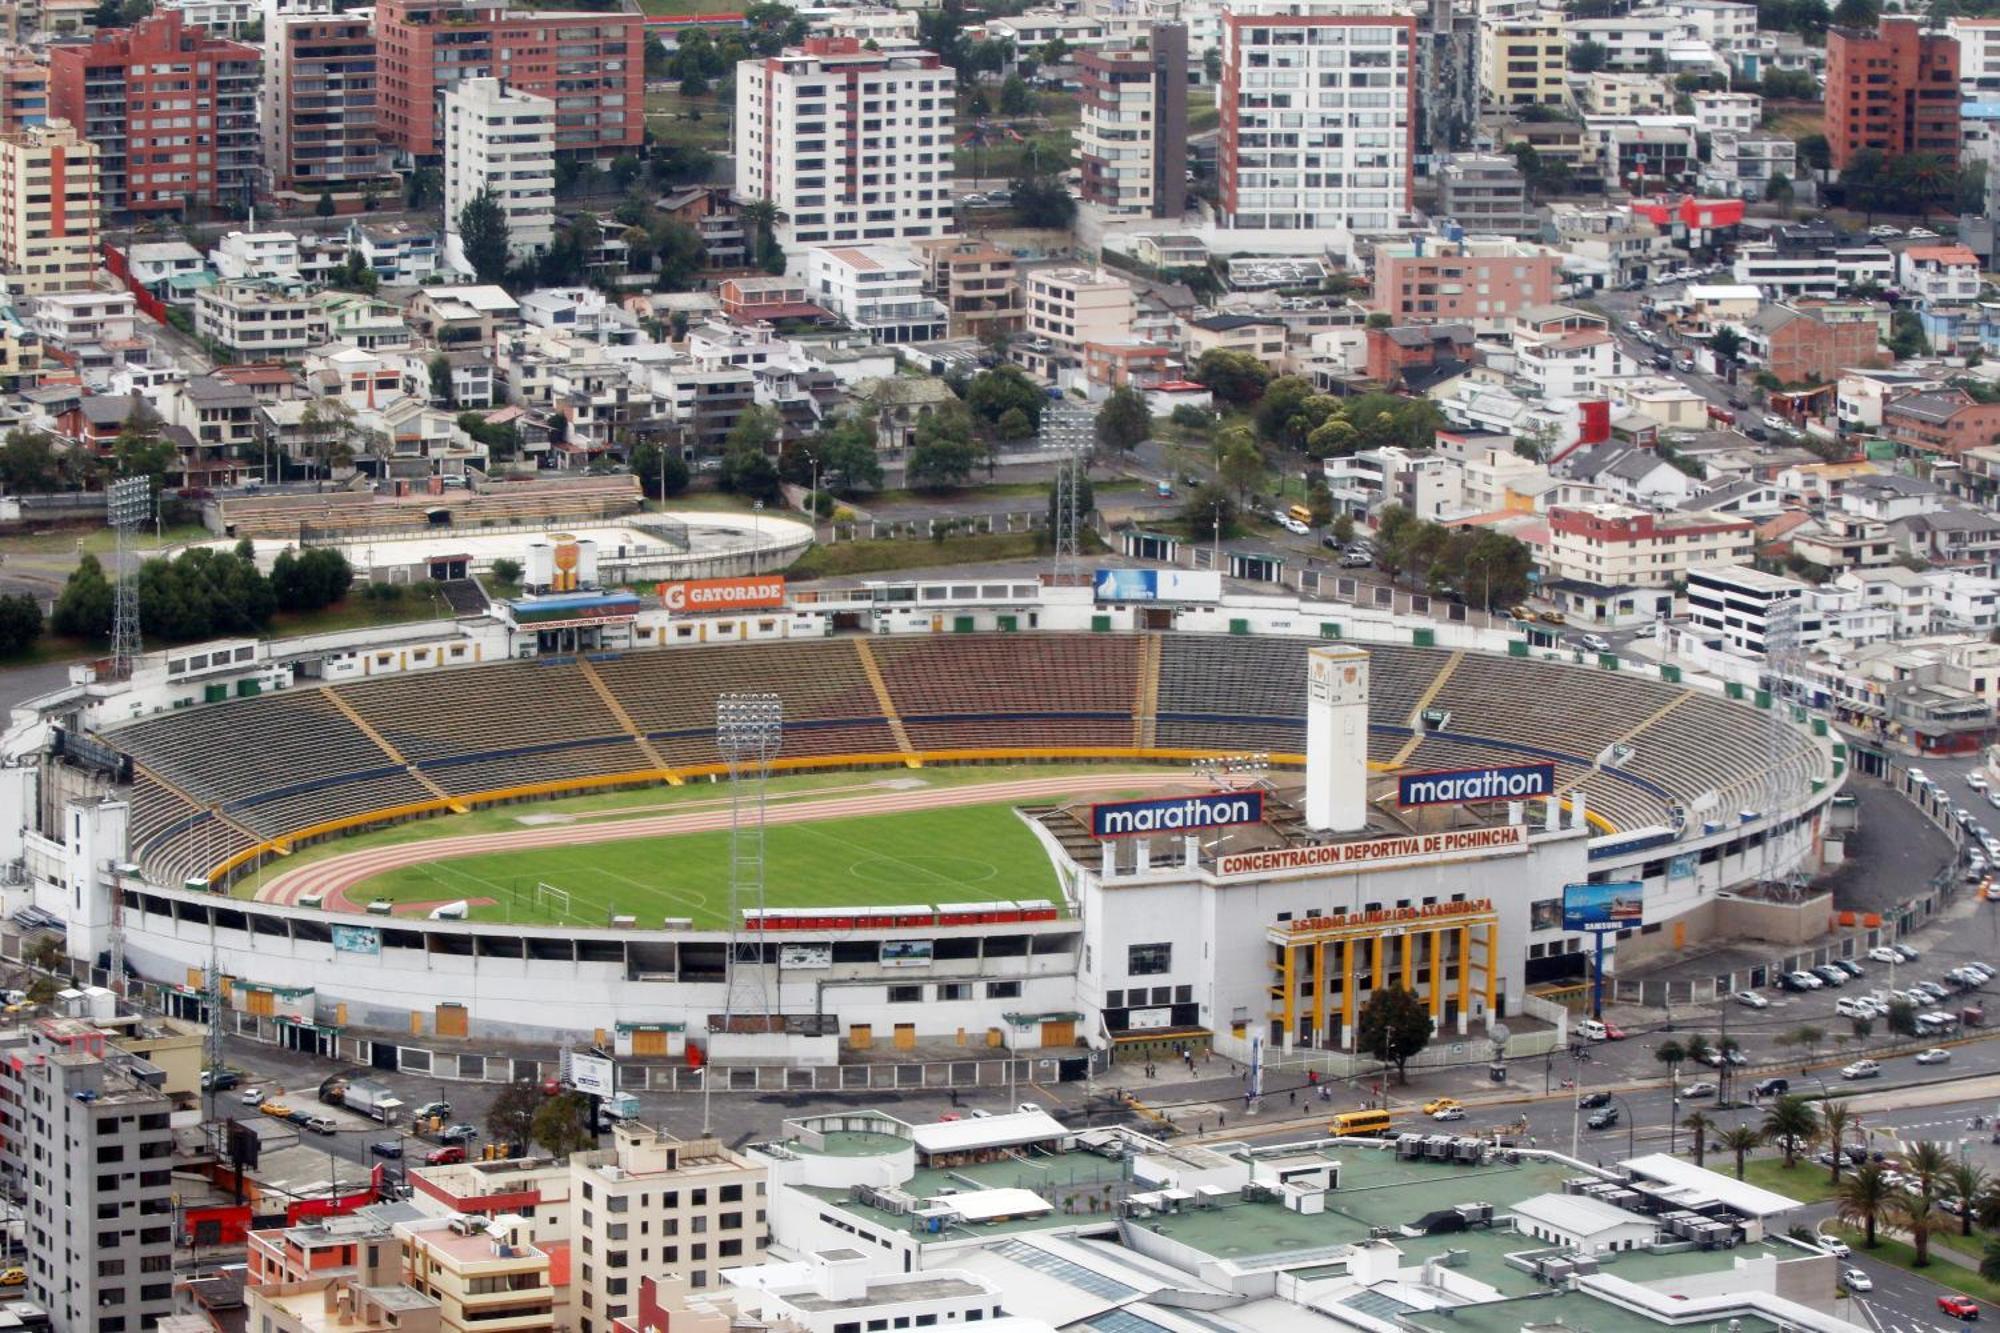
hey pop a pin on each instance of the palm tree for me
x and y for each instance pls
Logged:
(1742, 1140)
(1793, 1123)
(1988, 1206)
(1927, 1163)
(1836, 1119)
(1989, 1260)
(1698, 1048)
(1670, 1053)
(1863, 1199)
(1964, 1183)
(1699, 1125)
(1917, 1214)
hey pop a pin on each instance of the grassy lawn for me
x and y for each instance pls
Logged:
(1796, 125)
(707, 502)
(1942, 1271)
(966, 854)
(870, 557)
(98, 540)
(673, 8)
(1808, 1181)
(695, 122)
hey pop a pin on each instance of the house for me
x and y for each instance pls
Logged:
(1395, 352)
(1260, 336)
(1936, 274)
(1861, 394)
(898, 404)
(1813, 341)
(1632, 476)
(463, 316)
(1962, 537)
(1945, 421)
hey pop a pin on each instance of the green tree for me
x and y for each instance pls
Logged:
(423, 188)
(507, 572)
(1915, 1215)
(83, 610)
(1989, 1259)
(757, 428)
(1791, 1123)
(1281, 401)
(943, 454)
(1902, 1018)
(325, 207)
(1726, 343)
(1778, 190)
(440, 372)
(1588, 57)
(510, 1119)
(1210, 513)
(20, 624)
(1237, 378)
(1856, 13)
(561, 1127)
(29, 464)
(1836, 1123)
(1013, 425)
(326, 433)
(1815, 154)
(993, 393)
(1863, 1199)
(845, 453)
(1740, 1141)
(1671, 1054)
(749, 471)
(1123, 422)
(1242, 468)
(1393, 1027)
(656, 466)
(1015, 99)
(483, 232)
(1043, 201)
(1964, 1183)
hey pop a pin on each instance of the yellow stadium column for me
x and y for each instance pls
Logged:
(1288, 971)
(1375, 965)
(1492, 967)
(1464, 973)
(1436, 938)
(1319, 992)
(1347, 993)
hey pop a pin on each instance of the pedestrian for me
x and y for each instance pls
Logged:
(1221, 1119)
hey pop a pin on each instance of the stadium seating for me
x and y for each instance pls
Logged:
(558, 502)
(284, 762)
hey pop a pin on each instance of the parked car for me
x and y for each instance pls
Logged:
(1800, 981)
(1612, 1032)
(1750, 999)
(219, 1080)
(458, 1133)
(1910, 952)
(1958, 1307)
(1831, 975)
(1861, 1069)
(1854, 1006)
(1856, 1280)
(1849, 966)
(322, 1124)
(389, 1148)
(276, 1110)
(1921, 234)
(1936, 1055)
(450, 1156)
(1883, 231)
(1884, 954)
(1833, 1245)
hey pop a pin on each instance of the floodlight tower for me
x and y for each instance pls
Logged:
(128, 503)
(749, 728)
(1068, 428)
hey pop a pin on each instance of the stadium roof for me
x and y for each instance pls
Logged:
(1694, 1184)
(988, 1132)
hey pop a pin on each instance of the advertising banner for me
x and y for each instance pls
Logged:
(792, 956)
(592, 1075)
(906, 953)
(1175, 814)
(1144, 1020)
(1157, 585)
(1461, 786)
(746, 594)
(1378, 853)
(357, 939)
(1620, 905)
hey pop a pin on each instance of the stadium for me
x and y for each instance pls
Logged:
(511, 828)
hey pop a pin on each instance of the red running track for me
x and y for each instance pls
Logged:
(333, 877)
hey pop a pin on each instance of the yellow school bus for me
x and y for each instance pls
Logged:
(1355, 1124)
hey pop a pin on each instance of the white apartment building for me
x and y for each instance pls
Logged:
(1074, 306)
(1635, 42)
(1967, 603)
(1743, 607)
(1758, 264)
(502, 142)
(1978, 57)
(1860, 394)
(1939, 274)
(652, 1204)
(1739, 113)
(877, 290)
(272, 255)
(92, 1151)
(257, 320)
(1565, 354)
(1620, 546)
(825, 1292)
(1427, 485)
(852, 146)
(76, 319)
(1727, 25)
(1296, 155)
(1741, 164)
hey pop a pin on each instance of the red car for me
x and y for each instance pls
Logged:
(1958, 1307)
(444, 1156)
(1612, 1032)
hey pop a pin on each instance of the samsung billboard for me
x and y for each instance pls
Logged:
(1620, 905)
(1176, 814)
(1462, 786)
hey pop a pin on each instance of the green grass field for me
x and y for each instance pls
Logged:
(980, 853)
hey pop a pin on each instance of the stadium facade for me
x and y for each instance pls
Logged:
(132, 806)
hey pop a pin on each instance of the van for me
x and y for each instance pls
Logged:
(1592, 1030)
(321, 1124)
(1772, 1087)
(1353, 1124)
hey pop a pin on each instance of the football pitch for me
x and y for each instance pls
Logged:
(976, 853)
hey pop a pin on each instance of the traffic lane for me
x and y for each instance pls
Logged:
(1901, 1301)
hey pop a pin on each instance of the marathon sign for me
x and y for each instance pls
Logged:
(1176, 814)
(1378, 853)
(751, 594)
(1466, 785)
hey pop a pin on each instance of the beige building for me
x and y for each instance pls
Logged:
(339, 1306)
(977, 282)
(650, 1205)
(484, 1273)
(1074, 306)
(1262, 337)
(1627, 94)
(1524, 63)
(49, 201)
(1619, 546)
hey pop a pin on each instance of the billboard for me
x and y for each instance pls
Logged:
(357, 939)
(1175, 814)
(791, 956)
(906, 953)
(592, 1075)
(1157, 585)
(762, 592)
(1620, 905)
(1377, 853)
(1460, 786)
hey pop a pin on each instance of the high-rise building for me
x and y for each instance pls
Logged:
(850, 145)
(1978, 58)
(173, 109)
(91, 1149)
(501, 142)
(319, 102)
(24, 93)
(1894, 90)
(1289, 160)
(48, 209)
(1133, 141)
(592, 65)
(1524, 63)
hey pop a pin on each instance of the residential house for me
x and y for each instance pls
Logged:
(1945, 421)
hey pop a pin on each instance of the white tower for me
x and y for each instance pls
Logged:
(1337, 739)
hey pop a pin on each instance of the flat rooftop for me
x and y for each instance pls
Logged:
(897, 1290)
(1560, 1313)
(853, 1143)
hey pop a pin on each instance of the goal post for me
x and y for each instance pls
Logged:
(550, 899)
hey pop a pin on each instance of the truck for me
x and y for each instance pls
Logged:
(370, 1098)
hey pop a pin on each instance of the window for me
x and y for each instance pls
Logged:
(1149, 960)
(906, 995)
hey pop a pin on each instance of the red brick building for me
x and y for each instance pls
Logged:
(1807, 342)
(1894, 90)
(173, 110)
(1394, 351)
(1944, 422)
(592, 65)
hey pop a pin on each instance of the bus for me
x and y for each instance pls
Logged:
(1301, 514)
(1358, 1124)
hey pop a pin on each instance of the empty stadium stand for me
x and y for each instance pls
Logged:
(555, 501)
(290, 764)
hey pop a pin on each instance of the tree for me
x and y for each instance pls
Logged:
(83, 610)
(1241, 469)
(440, 371)
(560, 1126)
(424, 187)
(1237, 378)
(1902, 1018)
(1671, 1054)
(1778, 190)
(1740, 1141)
(507, 572)
(325, 207)
(1836, 1120)
(657, 466)
(1015, 99)
(29, 464)
(1964, 1183)
(1343, 528)
(1698, 1125)
(1588, 57)
(1815, 153)
(993, 393)
(1914, 1214)
(1863, 1199)
(1393, 1027)
(318, 578)
(943, 454)
(749, 471)
(1043, 201)
(1726, 343)
(511, 1117)
(46, 953)
(20, 624)
(1210, 513)
(483, 232)
(326, 430)
(1791, 1123)
(1856, 13)
(625, 169)
(757, 428)
(844, 451)
(1989, 1259)
(1123, 423)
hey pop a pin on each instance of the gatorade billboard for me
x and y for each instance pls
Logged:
(760, 593)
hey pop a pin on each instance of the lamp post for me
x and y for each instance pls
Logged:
(812, 502)
(1631, 1126)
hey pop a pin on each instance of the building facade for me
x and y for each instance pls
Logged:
(501, 141)
(1482, 280)
(1486, 194)
(1978, 57)
(850, 145)
(1524, 63)
(1618, 546)
(173, 111)
(591, 65)
(319, 102)
(48, 209)
(1280, 142)
(1894, 90)
(1133, 142)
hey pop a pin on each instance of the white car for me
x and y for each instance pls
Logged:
(1833, 1245)
(1776, 422)
(1449, 1113)
(1883, 229)
(1293, 526)
(1976, 781)
(1936, 1055)
(1856, 1280)
(1597, 643)
(1921, 234)
(1884, 954)
(1750, 999)
(253, 1096)
(1861, 1069)
(1853, 1006)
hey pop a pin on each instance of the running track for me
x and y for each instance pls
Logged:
(333, 877)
